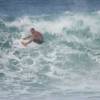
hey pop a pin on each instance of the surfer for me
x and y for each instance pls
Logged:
(35, 36)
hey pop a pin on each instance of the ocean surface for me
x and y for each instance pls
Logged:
(66, 66)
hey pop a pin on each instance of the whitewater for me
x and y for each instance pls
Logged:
(65, 67)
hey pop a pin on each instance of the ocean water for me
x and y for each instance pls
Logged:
(66, 66)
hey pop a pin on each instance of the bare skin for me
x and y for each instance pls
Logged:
(34, 37)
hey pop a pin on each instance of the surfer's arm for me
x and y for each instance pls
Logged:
(29, 36)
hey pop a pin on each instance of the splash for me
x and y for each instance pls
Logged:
(68, 60)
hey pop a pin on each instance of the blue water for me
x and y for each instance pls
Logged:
(66, 66)
(34, 7)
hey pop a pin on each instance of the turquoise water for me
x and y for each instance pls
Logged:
(65, 66)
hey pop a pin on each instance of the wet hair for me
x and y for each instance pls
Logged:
(32, 29)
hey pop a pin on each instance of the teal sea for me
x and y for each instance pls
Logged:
(65, 67)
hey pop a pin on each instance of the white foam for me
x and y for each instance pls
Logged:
(59, 53)
(64, 21)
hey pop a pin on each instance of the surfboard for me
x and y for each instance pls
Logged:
(17, 44)
(24, 41)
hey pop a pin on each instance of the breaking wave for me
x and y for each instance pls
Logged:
(68, 60)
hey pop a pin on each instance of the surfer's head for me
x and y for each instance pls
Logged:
(32, 30)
